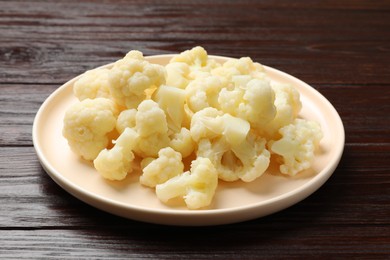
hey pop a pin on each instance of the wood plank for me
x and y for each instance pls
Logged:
(77, 36)
(158, 242)
(364, 110)
(18, 107)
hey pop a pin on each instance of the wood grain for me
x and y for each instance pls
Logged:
(303, 40)
(341, 48)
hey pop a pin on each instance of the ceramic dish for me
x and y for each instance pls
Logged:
(233, 202)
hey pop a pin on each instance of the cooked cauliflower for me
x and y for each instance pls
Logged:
(247, 160)
(151, 125)
(203, 92)
(210, 123)
(116, 163)
(206, 123)
(87, 126)
(297, 145)
(126, 119)
(178, 74)
(168, 165)
(197, 59)
(182, 142)
(196, 186)
(235, 130)
(253, 101)
(237, 67)
(229, 116)
(227, 141)
(288, 105)
(92, 84)
(197, 56)
(150, 145)
(189, 65)
(132, 76)
(258, 103)
(171, 100)
(230, 99)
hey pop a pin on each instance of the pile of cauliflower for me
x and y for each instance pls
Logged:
(227, 120)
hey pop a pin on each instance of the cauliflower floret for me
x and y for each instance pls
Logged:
(297, 145)
(150, 145)
(247, 160)
(178, 74)
(197, 101)
(87, 126)
(227, 141)
(197, 56)
(132, 76)
(235, 130)
(253, 155)
(150, 119)
(253, 102)
(92, 84)
(151, 125)
(182, 142)
(258, 103)
(196, 186)
(206, 123)
(288, 105)
(116, 163)
(203, 92)
(230, 99)
(197, 59)
(168, 165)
(126, 119)
(171, 100)
(242, 66)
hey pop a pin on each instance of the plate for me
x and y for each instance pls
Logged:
(233, 202)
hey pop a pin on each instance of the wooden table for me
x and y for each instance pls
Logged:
(341, 48)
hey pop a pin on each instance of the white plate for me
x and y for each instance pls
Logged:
(233, 202)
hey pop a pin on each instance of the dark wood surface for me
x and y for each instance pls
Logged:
(341, 48)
